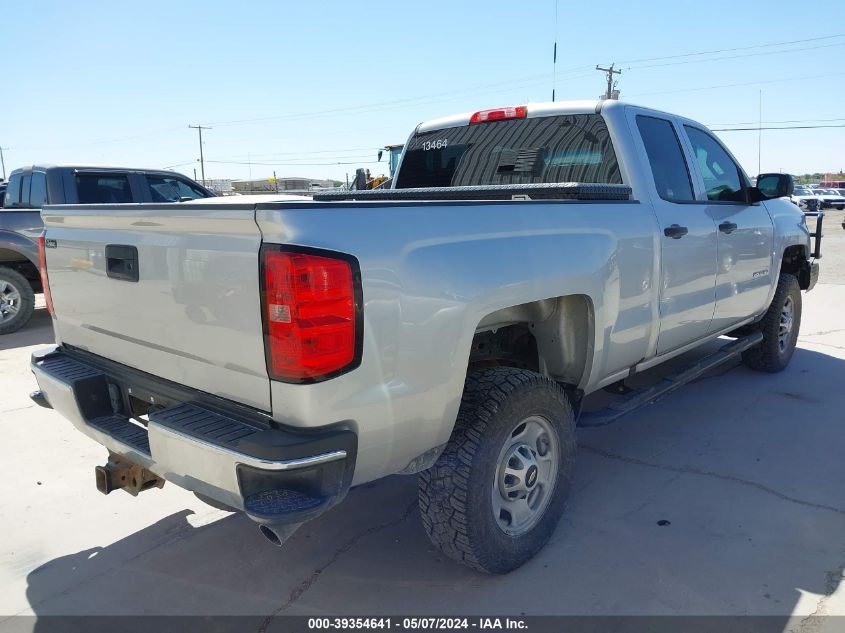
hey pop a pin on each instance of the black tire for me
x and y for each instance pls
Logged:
(773, 353)
(24, 304)
(456, 495)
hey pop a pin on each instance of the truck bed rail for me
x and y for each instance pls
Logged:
(539, 191)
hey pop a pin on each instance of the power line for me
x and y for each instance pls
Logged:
(730, 50)
(776, 122)
(716, 59)
(733, 85)
(785, 127)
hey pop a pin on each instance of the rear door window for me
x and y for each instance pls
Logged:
(38, 190)
(103, 188)
(666, 158)
(565, 148)
(172, 189)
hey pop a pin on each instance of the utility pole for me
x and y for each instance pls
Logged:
(3, 161)
(200, 128)
(275, 181)
(610, 72)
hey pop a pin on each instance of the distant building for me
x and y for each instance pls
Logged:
(220, 186)
(291, 183)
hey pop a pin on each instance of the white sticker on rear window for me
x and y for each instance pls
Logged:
(438, 144)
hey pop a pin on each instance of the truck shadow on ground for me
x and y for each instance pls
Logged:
(720, 499)
(39, 331)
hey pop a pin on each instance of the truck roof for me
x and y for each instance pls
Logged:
(46, 166)
(549, 108)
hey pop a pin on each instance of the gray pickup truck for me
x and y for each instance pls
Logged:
(30, 188)
(269, 356)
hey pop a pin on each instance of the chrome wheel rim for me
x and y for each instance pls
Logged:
(787, 319)
(526, 474)
(10, 301)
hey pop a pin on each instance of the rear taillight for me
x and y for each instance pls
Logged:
(499, 114)
(42, 265)
(312, 314)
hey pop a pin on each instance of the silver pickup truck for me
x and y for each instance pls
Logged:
(269, 356)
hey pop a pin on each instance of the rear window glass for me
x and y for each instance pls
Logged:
(566, 148)
(103, 188)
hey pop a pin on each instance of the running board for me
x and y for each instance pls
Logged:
(642, 397)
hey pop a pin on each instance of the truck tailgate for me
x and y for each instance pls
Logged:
(193, 314)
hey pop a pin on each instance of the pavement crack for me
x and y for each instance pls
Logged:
(306, 584)
(706, 473)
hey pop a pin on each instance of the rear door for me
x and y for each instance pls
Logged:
(745, 271)
(687, 235)
(170, 289)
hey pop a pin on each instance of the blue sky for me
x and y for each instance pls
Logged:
(301, 87)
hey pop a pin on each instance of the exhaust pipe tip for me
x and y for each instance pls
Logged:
(278, 534)
(270, 535)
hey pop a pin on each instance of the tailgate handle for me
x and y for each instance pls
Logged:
(122, 262)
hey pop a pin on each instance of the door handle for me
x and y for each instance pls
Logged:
(122, 262)
(676, 231)
(727, 227)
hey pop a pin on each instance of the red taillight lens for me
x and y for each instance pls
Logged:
(42, 264)
(311, 315)
(499, 114)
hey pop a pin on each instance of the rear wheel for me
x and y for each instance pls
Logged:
(779, 327)
(496, 493)
(17, 301)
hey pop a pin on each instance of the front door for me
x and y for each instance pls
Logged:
(745, 233)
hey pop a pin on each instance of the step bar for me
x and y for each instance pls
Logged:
(641, 397)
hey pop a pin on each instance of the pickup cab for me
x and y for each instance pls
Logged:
(269, 356)
(29, 188)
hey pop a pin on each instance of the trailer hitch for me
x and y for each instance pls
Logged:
(119, 472)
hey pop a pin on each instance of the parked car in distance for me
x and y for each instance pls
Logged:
(806, 199)
(29, 188)
(831, 199)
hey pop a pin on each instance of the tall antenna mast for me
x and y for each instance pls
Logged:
(554, 56)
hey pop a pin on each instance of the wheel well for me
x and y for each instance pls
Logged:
(793, 259)
(28, 270)
(795, 262)
(550, 336)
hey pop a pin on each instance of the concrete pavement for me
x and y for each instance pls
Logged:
(725, 497)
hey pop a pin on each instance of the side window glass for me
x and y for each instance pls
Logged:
(38, 190)
(13, 192)
(188, 191)
(166, 189)
(25, 183)
(103, 188)
(722, 180)
(666, 158)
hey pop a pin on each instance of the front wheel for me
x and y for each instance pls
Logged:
(494, 497)
(17, 300)
(779, 327)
